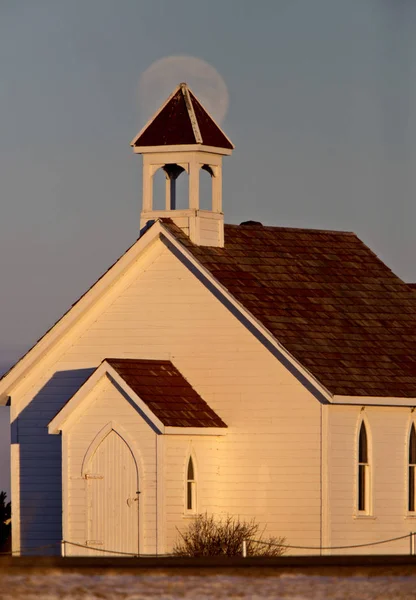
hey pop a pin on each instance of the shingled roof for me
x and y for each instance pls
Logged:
(166, 392)
(332, 303)
(182, 120)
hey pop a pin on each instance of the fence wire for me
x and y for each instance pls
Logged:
(33, 549)
(401, 537)
(133, 554)
(64, 543)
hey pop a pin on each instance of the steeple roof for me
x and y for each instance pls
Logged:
(182, 120)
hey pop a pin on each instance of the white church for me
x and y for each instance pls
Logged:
(247, 370)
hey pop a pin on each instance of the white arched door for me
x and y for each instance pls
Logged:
(113, 499)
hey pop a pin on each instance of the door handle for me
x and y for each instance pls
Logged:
(131, 500)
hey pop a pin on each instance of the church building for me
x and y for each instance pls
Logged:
(247, 370)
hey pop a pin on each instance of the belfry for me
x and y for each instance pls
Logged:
(183, 139)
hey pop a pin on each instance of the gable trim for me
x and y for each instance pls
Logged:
(76, 311)
(68, 413)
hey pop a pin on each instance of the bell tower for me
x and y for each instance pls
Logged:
(181, 139)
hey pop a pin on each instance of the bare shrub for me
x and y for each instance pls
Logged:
(210, 536)
(5, 514)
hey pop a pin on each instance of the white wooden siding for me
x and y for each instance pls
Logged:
(388, 431)
(206, 454)
(160, 310)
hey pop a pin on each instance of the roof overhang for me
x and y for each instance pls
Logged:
(182, 148)
(373, 401)
(68, 414)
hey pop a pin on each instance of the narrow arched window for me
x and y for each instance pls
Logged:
(412, 466)
(190, 487)
(363, 470)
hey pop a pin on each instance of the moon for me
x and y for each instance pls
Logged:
(159, 80)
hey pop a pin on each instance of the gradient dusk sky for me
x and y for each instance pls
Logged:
(322, 112)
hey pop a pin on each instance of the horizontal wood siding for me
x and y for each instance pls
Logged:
(206, 455)
(388, 430)
(209, 230)
(268, 464)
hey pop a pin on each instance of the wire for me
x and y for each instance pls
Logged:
(138, 555)
(402, 537)
(33, 549)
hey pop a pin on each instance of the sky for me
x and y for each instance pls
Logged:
(322, 111)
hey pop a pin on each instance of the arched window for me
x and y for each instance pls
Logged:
(363, 471)
(190, 487)
(412, 466)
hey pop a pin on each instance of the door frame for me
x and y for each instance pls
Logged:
(130, 442)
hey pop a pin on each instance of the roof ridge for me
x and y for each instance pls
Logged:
(297, 229)
(191, 113)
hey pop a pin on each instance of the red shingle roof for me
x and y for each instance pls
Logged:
(327, 298)
(166, 392)
(173, 124)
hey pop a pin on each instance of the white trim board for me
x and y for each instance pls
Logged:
(374, 401)
(181, 148)
(78, 309)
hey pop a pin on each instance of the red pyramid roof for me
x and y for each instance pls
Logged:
(182, 120)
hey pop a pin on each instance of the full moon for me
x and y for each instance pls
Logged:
(161, 78)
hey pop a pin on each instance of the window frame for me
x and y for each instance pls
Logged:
(190, 486)
(411, 471)
(363, 487)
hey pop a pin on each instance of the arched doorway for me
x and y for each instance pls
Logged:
(113, 499)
